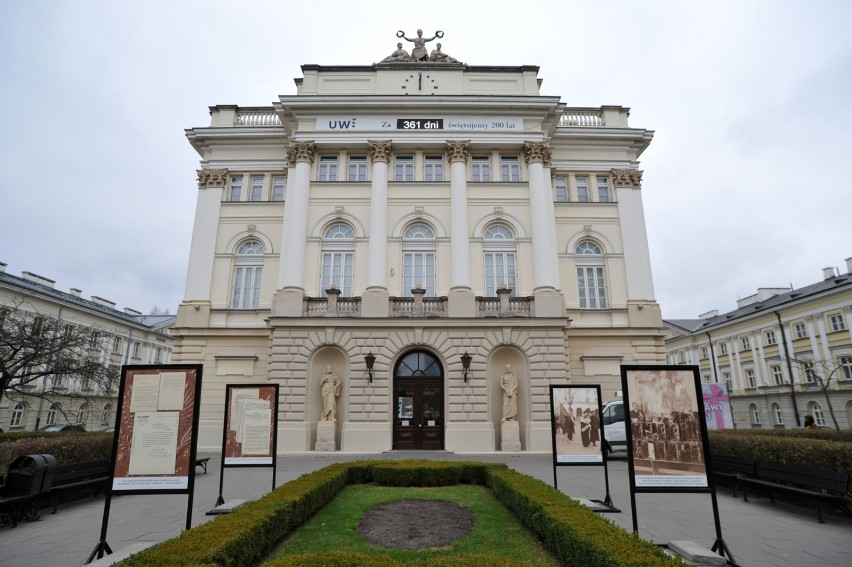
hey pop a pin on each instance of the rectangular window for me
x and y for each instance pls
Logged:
(403, 168)
(770, 337)
(681, 357)
(808, 368)
(745, 344)
(337, 271)
(116, 345)
(779, 415)
(590, 283)
(582, 188)
(726, 377)
(480, 168)
(800, 330)
(703, 353)
(845, 363)
(706, 379)
(279, 183)
(603, 189)
(59, 381)
(357, 168)
(235, 188)
(510, 168)
(560, 189)
(136, 346)
(777, 375)
(499, 271)
(836, 322)
(723, 348)
(95, 342)
(158, 354)
(256, 188)
(750, 379)
(327, 168)
(418, 268)
(17, 416)
(51, 415)
(434, 168)
(247, 287)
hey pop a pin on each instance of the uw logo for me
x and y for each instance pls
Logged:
(341, 124)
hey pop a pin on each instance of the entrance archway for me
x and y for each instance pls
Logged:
(418, 402)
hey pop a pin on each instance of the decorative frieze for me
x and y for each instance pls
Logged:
(535, 152)
(631, 178)
(212, 178)
(458, 151)
(380, 150)
(301, 151)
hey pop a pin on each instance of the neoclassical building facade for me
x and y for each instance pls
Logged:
(417, 226)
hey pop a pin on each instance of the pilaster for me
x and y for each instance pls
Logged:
(458, 153)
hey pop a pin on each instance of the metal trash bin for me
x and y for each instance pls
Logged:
(29, 475)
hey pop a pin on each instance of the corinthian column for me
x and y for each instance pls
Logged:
(378, 244)
(627, 184)
(541, 216)
(459, 152)
(291, 270)
(202, 250)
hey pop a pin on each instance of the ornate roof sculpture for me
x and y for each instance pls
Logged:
(419, 54)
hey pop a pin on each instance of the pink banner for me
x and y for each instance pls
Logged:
(717, 407)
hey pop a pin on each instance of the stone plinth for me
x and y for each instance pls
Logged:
(325, 436)
(510, 436)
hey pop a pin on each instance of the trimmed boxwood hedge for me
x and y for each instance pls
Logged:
(570, 531)
(340, 559)
(66, 447)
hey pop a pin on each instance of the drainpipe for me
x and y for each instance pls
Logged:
(789, 369)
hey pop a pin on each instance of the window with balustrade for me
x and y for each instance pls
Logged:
(418, 259)
(499, 247)
(591, 280)
(248, 274)
(338, 257)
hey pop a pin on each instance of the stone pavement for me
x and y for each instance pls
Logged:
(757, 532)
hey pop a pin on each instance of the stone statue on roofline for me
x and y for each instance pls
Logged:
(419, 54)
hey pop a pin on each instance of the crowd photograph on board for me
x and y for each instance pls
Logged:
(577, 424)
(665, 426)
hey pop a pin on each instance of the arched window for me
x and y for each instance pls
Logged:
(500, 268)
(777, 414)
(18, 416)
(248, 273)
(591, 281)
(51, 414)
(816, 410)
(338, 258)
(418, 259)
(106, 414)
(83, 413)
(755, 415)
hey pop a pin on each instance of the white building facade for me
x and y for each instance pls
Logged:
(416, 212)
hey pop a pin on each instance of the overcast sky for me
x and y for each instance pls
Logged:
(747, 182)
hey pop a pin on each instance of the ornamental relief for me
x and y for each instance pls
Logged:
(537, 153)
(380, 150)
(626, 178)
(458, 151)
(211, 178)
(301, 151)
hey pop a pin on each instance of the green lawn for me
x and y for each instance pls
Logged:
(334, 528)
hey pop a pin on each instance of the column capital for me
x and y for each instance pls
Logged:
(380, 150)
(212, 178)
(301, 151)
(458, 151)
(631, 178)
(535, 152)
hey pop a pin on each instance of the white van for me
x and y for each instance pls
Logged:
(615, 435)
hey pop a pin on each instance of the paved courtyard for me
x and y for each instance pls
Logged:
(758, 532)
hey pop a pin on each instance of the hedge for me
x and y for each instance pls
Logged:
(570, 531)
(340, 559)
(70, 447)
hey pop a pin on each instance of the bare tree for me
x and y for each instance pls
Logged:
(39, 352)
(157, 310)
(823, 373)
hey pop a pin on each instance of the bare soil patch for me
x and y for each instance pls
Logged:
(416, 524)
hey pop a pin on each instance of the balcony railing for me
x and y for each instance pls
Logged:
(581, 117)
(428, 307)
(245, 117)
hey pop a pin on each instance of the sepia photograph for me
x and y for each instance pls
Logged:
(576, 424)
(666, 447)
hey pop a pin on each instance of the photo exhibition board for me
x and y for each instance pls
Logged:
(251, 416)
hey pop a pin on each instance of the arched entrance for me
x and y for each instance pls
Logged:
(418, 398)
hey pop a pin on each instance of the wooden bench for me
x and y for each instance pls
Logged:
(202, 463)
(818, 486)
(733, 468)
(78, 475)
(13, 508)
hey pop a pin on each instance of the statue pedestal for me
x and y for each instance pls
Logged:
(325, 436)
(510, 436)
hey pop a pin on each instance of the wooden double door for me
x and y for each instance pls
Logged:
(418, 388)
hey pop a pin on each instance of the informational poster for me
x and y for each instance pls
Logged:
(717, 406)
(154, 446)
(667, 435)
(251, 412)
(576, 424)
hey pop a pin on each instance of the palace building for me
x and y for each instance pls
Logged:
(418, 226)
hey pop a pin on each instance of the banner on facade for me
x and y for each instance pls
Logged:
(717, 406)
(576, 424)
(667, 438)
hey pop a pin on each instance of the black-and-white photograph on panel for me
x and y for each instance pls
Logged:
(576, 424)
(667, 431)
